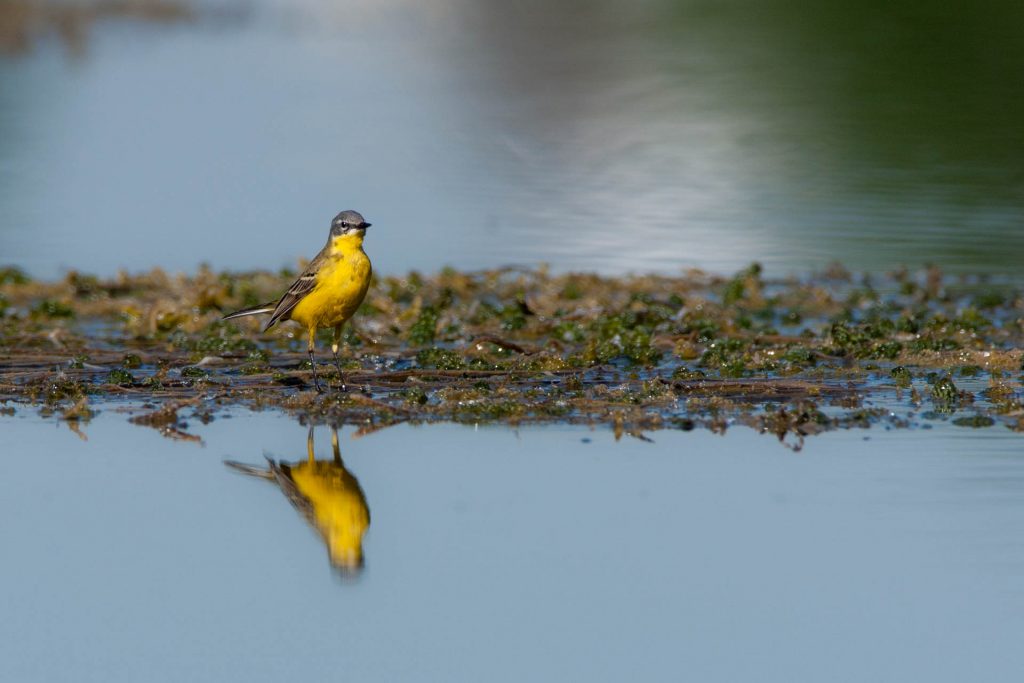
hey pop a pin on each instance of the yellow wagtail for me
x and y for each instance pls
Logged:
(328, 496)
(329, 290)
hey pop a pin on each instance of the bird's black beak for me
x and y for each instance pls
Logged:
(364, 225)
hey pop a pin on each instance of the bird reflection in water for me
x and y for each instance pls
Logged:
(328, 496)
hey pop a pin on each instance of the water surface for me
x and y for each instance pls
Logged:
(607, 136)
(497, 554)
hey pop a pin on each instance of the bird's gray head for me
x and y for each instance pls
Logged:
(347, 223)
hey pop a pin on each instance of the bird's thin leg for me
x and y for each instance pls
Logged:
(337, 361)
(334, 444)
(312, 360)
(309, 445)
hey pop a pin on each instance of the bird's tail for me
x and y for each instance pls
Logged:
(251, 470)
(252, 310)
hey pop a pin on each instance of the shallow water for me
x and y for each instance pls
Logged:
(604, 136)
(498, 554)
(642, 136)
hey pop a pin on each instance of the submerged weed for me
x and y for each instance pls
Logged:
(945, 394)
(120, 377)
(901, 375)
(442, 359)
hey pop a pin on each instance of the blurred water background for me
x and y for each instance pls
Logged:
(651, 135)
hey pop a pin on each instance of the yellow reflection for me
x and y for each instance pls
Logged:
(328, 496)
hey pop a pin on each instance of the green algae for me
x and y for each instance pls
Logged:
(13, 275)
(49, 308)
(415, 395)
(219, 337)
(443, 359)
(947, 397)
(52, 389)
(120, 377)
(974, 421)
(516, 345)
(901, 375)
(800, 355)
(424, 330)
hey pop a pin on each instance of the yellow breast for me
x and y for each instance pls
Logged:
(340, 288)
(339, 509)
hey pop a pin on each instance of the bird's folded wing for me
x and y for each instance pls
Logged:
(283, 475)
(302, 286)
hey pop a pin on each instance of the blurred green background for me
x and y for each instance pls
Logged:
(608, 136)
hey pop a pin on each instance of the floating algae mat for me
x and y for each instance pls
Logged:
(791, 356)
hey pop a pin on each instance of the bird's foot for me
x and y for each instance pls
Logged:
(343, 387)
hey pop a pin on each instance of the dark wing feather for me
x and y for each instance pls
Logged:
(283, 475)
(251, 470)
(302, 286)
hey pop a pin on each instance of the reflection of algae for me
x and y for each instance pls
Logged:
(328, 496)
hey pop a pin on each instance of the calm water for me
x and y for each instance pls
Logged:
(630, 136)
(537, 554)
(592, 136)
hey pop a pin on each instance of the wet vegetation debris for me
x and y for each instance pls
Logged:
(788, 356)
(166, 420)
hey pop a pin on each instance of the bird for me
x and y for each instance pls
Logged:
(328, 496)
(329, 291)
